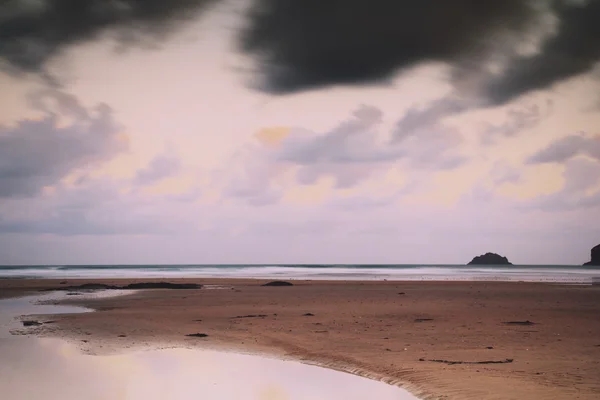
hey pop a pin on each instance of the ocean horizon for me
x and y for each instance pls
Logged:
(425, 272)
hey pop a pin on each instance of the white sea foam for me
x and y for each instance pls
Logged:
(566, 274)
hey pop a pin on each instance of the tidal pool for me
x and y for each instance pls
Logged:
(51, 369)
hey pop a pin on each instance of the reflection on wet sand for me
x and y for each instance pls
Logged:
(33, 368)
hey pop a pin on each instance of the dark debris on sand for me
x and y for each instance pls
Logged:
(199, 335)
(521, 323)
(506, 361)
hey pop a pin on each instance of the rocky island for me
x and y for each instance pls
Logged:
(595, 257)
(490, 259)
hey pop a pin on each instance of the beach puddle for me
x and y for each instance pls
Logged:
(53, 369)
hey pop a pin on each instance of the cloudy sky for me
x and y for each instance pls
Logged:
(283, 131)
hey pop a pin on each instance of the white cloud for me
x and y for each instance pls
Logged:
(568, 147)
(160, 167)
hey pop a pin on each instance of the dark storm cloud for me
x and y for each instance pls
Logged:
(316, 42)
(310, 43)
(572, 51)
(32, 31)
(37, 153)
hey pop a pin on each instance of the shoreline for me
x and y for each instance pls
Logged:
(365, 328)
(433, 273)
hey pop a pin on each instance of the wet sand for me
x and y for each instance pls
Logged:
(50, 369)
(376, 329)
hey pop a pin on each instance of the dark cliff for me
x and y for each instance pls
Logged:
(595, 256)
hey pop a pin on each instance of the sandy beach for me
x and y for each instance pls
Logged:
(429, 337)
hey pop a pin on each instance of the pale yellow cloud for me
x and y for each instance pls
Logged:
(314, 194)
(591, 191)
(272, 137)
(14, 105)
(124, 166)
(537, 180)
(450, 186)
(210, 196)
(172, 186)
(48, 190)
(382, 184)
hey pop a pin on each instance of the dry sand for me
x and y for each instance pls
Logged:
(376, 329)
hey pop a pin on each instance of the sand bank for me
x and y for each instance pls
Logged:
(403, 332)
(51, 369)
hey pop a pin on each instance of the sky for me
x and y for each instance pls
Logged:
(259, 131)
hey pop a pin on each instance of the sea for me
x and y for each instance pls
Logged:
(512, 273)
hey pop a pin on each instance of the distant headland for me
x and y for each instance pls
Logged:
(490, 259)
(594, 257)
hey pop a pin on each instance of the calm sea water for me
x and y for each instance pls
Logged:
(530, 273)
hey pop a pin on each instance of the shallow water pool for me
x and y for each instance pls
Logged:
(38, 368)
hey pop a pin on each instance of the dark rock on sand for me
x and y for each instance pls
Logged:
(91, 286)
(250, 316)
(87, 286)
(201, 335)
(140, 285)
(31, 323)
(162, 285)
(278, 283)
(423, 319)
(308, 315)
(594, 256)
(490, 259)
